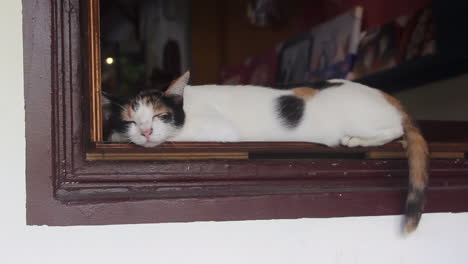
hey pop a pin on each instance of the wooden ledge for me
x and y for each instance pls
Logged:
(262, 150)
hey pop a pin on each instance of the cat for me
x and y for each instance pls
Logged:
(334, 112)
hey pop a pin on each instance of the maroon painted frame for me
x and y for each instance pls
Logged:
(63, 188)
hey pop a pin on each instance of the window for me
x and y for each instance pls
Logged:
(67, 187)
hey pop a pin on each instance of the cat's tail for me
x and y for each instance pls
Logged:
(417, 151)
(418, 159)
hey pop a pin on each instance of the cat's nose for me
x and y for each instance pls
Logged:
(147, 132)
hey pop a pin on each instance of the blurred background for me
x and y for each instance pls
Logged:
(397, 46)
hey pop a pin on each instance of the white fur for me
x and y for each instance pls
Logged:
(248, 113)
(351, 114)
(118, 137)
(144, 119)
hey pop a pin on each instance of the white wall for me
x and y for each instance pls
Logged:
(441, 238)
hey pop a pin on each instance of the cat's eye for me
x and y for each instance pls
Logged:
(162, 115)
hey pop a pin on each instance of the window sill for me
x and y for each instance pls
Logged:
(262, 150)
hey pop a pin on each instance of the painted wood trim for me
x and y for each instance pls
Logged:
(63, 188)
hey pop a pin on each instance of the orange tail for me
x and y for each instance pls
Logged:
(418, 153)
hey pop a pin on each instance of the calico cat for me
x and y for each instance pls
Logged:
(331, 112)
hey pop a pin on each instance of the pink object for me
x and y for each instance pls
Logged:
(147, 132)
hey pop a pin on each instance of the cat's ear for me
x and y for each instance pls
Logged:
(177, 86)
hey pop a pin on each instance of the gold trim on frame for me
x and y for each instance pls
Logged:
(95, 70)
(168, 156)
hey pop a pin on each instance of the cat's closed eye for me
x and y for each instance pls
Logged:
(163, 116)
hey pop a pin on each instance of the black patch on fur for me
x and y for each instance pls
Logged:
(290, 109)
(115, 122)
(415, 205)
(176, 104)
(166, 118)
(319, 85)
(150, 93)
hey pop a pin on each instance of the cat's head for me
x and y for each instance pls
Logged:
(152, 117)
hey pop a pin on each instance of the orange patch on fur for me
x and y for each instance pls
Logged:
(305, 92)
(411, 223)
(127, 113)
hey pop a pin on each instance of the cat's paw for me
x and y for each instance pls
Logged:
(345, 140)
(403, 143)
(351, 141)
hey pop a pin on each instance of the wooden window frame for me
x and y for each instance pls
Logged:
(66, 187)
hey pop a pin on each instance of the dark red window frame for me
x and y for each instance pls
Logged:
(64, 188)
